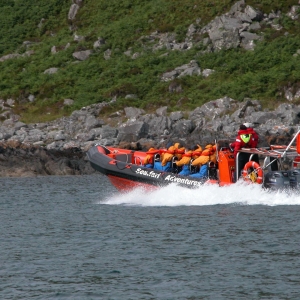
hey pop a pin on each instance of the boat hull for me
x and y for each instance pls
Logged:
(125, 169)
(125, 175)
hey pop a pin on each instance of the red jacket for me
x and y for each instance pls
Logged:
(254, 137)
(239, 143)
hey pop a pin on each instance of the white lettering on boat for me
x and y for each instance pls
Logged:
(182, 180)
(147, 173)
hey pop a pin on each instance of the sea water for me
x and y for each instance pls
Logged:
(76, 237)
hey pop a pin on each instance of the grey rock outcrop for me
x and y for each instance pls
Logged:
(99, 43)
(51, 71)
(294, 12)
(16, 55)
(73, 11)
(107, 54)
(133, 112)
(218, 119)
(192, 68)
(82, 55)
(232, 29)
(19, 160)
(133, 132)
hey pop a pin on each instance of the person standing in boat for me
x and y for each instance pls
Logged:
(243, 140)
(184, 162)
(254, 140)
(254, 135)
(207, 155)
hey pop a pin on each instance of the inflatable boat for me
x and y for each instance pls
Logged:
(278, 168)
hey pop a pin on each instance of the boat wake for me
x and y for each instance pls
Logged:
(173, 195)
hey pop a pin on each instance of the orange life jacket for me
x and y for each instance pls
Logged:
(149, 159)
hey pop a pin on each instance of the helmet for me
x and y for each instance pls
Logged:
(248, 125)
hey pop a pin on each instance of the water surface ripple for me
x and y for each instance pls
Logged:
(69, 238)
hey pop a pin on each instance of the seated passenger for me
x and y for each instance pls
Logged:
(203, 172)
(184, 162)
(178, 150)
(197, 150)
(149, 159)
(166, 158)
(208, 154)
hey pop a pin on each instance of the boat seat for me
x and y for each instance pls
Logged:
(193, 169)
(212, 170)
(211, 164)
(175, 168)
(156, 157)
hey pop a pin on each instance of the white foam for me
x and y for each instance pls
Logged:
(173, 195)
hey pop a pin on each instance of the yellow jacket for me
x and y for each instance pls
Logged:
(208, 154)
(173, 150)
(186, 158)
(149, 157)
(167, 156)
(179, 151)
(197, 152)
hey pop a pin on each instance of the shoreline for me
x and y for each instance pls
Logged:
(32, 161)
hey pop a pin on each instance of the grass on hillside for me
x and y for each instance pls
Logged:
(260, 74)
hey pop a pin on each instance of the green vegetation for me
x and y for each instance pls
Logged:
(260, 74)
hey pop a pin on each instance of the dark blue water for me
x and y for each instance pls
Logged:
(78, 238)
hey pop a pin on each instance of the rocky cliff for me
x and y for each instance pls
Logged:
(58, 147)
